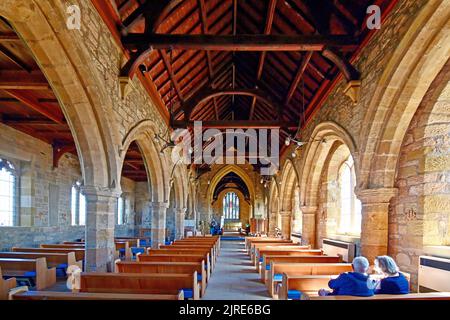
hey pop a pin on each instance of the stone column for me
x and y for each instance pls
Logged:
(100, 222)
(146, 214)
(272, 223)
(180, 214)
(158, 223)
(309, 225)
(286, 224)
(374, 223)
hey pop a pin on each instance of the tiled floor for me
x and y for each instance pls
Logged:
(235, 278)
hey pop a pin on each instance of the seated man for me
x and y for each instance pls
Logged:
(356, 283)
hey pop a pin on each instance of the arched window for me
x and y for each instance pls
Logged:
(7, 193)
(121, 210)
(231, 206)
(78, 205)
(350, 205)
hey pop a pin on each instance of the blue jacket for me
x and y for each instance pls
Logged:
(352, 284)
(393, 285)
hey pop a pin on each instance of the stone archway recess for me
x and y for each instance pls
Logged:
(222, 173)
(158, 177)
(289, 181)
(326, 138)
(416, 62)
(85, 104)
(274, 205)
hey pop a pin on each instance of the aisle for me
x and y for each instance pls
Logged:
(234, 277)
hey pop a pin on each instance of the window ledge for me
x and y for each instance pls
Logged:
(438, 251)
(345, 238)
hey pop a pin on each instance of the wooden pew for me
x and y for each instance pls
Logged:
(63, 246)
(249, 240)
(177, 251)
(295, 286)
(124, 246)
(6, 286)
(300, 269)
(282, 251)
(54, 260)
(79, 253)
(177, 258)
(192, 247)
(165, 267)
(252, 245)
(37, 269)
(214, 244)
(22, 294)
(215, 241)
(269, 258)
(257, 257)
(158, 283)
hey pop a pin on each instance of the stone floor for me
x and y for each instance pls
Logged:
(235, 278)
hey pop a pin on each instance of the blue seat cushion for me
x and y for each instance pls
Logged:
(199, 277)
(188, 293)
(278, 277)
(135, 250)
(294, 294)
(30, 274)
(168, 243)
(122, 250)
(61, 272)
(62, 266)
(268, 267)
(261, 259)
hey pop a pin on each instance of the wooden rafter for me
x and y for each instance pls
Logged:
(239, 124)
(247, 42)
(298, 76)
(14, 59)
(10, 79)
(169, 69)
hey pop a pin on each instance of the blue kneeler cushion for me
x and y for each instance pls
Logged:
(188, 293)
(294, 294)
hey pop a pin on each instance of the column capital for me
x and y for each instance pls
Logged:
(376, 195)
(308, 209)
(285, 213)
(159, 205)
(100, 191)
(181, 210)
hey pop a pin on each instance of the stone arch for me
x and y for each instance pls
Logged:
(326, 139)
(420, 215)
(289, 185)
(82, 100)
(416, 62)
(244, 210)
(155, 163)
(273, 206)
(223, 172)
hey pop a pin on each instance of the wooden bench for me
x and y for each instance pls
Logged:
(30, 269)
(214, 245)
(259, 253)
(22, 294)
(189, 249)
(251, 249)
(299, 269)
(54, 260)
(249, 240)
(213, 241)
(214, 252)
(409, 296)
(177, 258)
(269, 258)
(63, 246)
(158, 283)
(6, 286)
(295, 286)
(166, 267)
(79, 253)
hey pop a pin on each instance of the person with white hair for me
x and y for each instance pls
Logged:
(356, 283)
(394, 282)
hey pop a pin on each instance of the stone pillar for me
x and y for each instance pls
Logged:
(158, 223)
(100, 222)
(309, 225)
(146, 214)
(272, 223)
(286, 217)
(180, 214)
(374, 223)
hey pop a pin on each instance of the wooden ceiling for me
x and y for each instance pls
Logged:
(28, 104)
(241, 63)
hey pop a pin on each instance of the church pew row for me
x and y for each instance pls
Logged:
(301, 257)
(258, 257)
(252, 245)
(250, 240)
(33, 270)
(22, 293)
(123, 248)
(79, 252)
(254, 256)
(213, 245)
(60, 261)
(177, 258)
(215, 241)
(409, 296)
(187, 250)
(157, 283)
(166, 267)
(6, 285)
(275, 276)
(283, 251)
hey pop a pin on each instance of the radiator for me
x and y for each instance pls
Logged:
(334, 247)
(434, 274)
